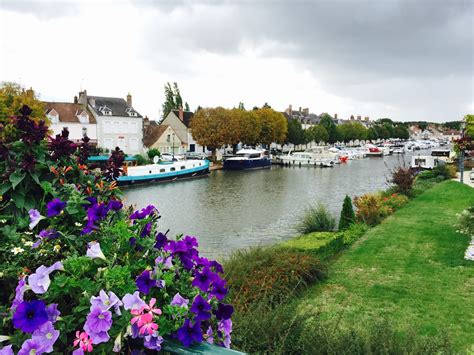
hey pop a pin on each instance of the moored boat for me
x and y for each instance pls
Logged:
(315, 156)
(373, 151)
(247, 159)
(162, 172)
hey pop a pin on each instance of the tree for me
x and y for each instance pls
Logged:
(295, 132)
(274, 126)
(241, 106)
(372, 134)
(347, 214)
(186, 107)
(318, 134)
(152, 153)
(400, 131)
(352, 131)
(250, 128)
(207, 128)
(13, 96)
(173, 99)
(469, 125)
(328, 123)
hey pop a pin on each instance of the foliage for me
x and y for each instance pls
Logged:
(328, 123)
(268, 274)
(103, 267)
(295, 132)
(153, 152)
(403, 178)
(141, 159)
(12, 99)
(316, 219)
(173, 100)
(353, 233)
(317, 133)
(347, 214)
(274, 126)
(352, 131)
(466, 221)
(371, 209)
(319, 244)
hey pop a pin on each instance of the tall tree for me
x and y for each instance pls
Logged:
(328, 123)
(318, 134)
(295, 132)
(274, 126)
(173, 99)
(186, 107)
(13, 96)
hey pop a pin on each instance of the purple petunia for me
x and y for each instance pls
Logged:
(115, 205)
(94, 251)
(166, 262)
(55, 207)
(203, 279)
(146, 230)
(225, 327)
(31, 346)
(95, 213)
(180, 301)
(52, 312)
(201, 308)
(133, 301)
(19, 292)
(190, 333)
(46, 335)
(29, 316)
(97, 337)
(106, 301)
(35, 218)
(224, 311)
(219, 290)
(153, 341)
(7, 350)
(160, 240)
(39, 281)
(143, 213)
(210, 335)
(145, 282)
(45, 234)
(190, 242)
(98, 322)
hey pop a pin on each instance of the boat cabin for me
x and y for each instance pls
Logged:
(424, 162)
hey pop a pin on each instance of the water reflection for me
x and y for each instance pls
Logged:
(236, 209)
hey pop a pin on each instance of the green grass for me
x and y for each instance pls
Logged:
(409, 269)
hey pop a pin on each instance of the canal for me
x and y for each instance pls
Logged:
(236, 209)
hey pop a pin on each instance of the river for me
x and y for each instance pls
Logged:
(236, 209)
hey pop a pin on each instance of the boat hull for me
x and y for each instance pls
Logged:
(243, 164)
(163, 177)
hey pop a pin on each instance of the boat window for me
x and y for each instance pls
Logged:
(183, 167)
(420, 161)
(257, 155)
(162, 170)
(149, 171)
(242, 155)
(440, 153)
(172, 169)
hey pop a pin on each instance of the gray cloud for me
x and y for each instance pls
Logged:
(44, 10)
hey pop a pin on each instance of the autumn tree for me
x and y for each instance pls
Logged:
(208, 128)
(247, 126)
(13, 96)
(274, 126)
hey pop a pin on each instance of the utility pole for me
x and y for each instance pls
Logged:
(461, 158)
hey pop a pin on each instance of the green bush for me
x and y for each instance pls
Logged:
(354, 232)
(141, 159)
(444, 171)
(466, 221)
(153, 152)
(316, 219)
(268, 274)
(318, 244)
(347, 214)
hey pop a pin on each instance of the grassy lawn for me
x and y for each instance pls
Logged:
(409, 269)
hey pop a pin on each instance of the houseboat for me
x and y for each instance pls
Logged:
(445, 155)
(315, 156)
(163, 171)
(425, 162)
(247, 159)
(373, 151)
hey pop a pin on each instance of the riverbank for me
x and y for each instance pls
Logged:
(407, 273)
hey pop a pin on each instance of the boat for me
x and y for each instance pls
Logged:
(247, 159)
(163, 171)
(425, 162)
(315, 156)
(373, 151)
(446, 155)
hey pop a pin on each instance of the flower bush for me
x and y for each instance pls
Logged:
(373, 208)
(91, 275)
(466, 226)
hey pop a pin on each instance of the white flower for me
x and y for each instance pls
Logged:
(17, 250)
(94, 251)
(57, 248)
(77, 224)
(28, 243)
(29, 233)
(3, 221)
(469, 255)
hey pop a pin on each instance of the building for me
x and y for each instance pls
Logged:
(162, 137)
(179, 121)
(118, 123)
(78, 120)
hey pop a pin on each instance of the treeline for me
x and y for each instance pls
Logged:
(328, 132)
(217, 127)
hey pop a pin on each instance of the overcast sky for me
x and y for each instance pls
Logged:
(404, 59)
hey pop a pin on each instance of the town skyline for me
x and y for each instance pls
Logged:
(222, 54)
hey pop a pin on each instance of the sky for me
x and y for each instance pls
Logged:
(404, 59)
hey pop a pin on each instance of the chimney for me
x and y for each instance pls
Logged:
(358, 118)
(30, 93)
(300, 109)
(290, 111)
(352, 117)
(306, 111)
(181, 113)
(83, 98)
(335, 116)
(129, 100)
(146, 122)
(75, 100)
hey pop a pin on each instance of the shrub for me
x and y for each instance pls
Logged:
(347, 214)
(318, 244)
(316, 219)
(268, 274)
(153, 152)
(354, 232)
(466, 221)
(403, 178)
(370, 209)
(444, 171)
(141, 159)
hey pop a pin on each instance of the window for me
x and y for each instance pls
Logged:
(162, 170)
(192, 147)
(172, 169)
(168, 137)
(84, 131)
(183, 167)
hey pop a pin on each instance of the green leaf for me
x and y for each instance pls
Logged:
(47, 186)
(34, 176)
(16, 178)
(19, 199)
(4, 188)
(71, 210)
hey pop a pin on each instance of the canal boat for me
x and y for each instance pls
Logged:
(373, 151)
(247, 159)
(316, 156)
(163, 172)
(425, 162)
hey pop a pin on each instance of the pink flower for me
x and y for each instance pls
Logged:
(146, 324)
(150, 308)
(84, 341)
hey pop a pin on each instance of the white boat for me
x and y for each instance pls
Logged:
(373, 151)
(424, 162)
(315, 156)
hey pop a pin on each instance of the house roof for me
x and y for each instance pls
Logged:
(153, 132)
(117, 105)
(67, 111)
(187, 115)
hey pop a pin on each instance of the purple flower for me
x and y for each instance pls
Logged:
(98, 320)
(29, 316)
(39, 281)
(94, 251)
(167, 263)
(217, 267)
(7, 350)
(203, 279)
(31, 346)
(219, 290)
(35, 218)
(153, 341)
(176, 246)
(190, 333)
(145, 282)
(95, 213)
(105, 302)
(224, 311)
(52, 312)
(143, 213)
(133, 301)
(97, 337)
(78, 351)
(225, 327)
(201, 308)
(46, 335)
(180, 301)
(210, 335)
(161, 240)
(19, 292)
(146, 230)
(115, 205)
(45, 234)
(190, 242)
(55, 207)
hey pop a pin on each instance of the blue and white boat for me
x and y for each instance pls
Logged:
(164, 171)
(247, 159)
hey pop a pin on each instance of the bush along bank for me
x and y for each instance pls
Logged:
(266, 284)
(79, 272)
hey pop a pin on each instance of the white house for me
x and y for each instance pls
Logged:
(179, 121)
(76, 118)
(118, 123)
